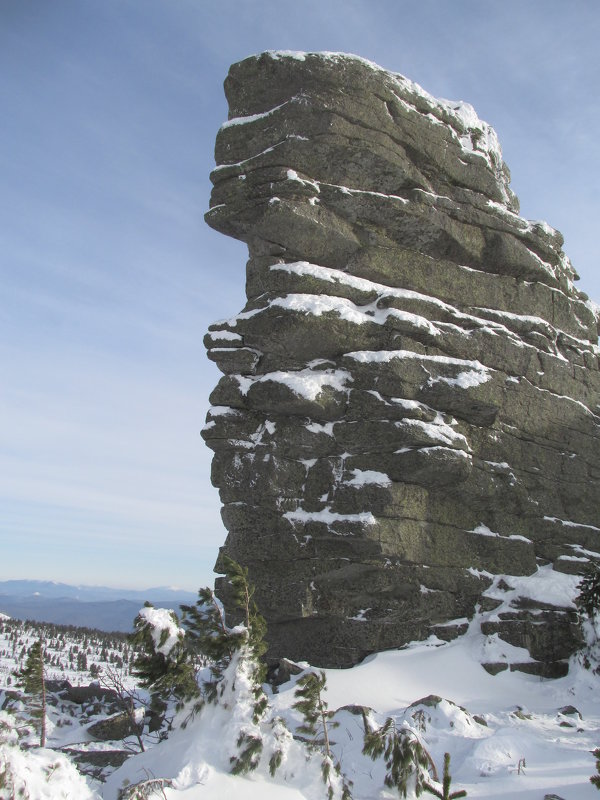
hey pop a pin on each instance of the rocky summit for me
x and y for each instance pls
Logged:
(406, 435)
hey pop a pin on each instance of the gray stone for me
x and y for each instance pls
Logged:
(409, 405)
(119, 726)
(495, 667)
(569, 711)
(97, 764)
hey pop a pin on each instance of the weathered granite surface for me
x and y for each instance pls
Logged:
(409, 407)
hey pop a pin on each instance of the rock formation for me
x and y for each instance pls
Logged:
(409, 406)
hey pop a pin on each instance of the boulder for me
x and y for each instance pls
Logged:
(115, 727)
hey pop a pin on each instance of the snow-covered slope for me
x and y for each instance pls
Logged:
(509, 736)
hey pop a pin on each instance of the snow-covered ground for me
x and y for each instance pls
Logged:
(509, 736)
(69, 652)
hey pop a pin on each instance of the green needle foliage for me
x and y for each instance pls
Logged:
(588, 605)
(314, 708)
(233, 655)
(275, 762)
(588, 599)
(256, 627)
(595, 779)
(167, 676)
(406, 760)
(248, 758)
(317, 723)
(209, 636)
(445, 794)
(33, 682)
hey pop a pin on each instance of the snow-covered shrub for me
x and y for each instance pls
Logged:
(37, 774)
(233, 671)
(210, 637)
(163, 664)
(317, 723)
(235, 658)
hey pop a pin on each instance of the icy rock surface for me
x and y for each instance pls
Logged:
(409, 406)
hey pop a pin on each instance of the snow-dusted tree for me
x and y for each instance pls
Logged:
(210, 636)
(588, 605)
(32, 680)
(163, 664)
(234, 655)
(405, 758)
(234, 669)
(588, 599)
(317, 723)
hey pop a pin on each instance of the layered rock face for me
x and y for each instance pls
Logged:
(409, 406)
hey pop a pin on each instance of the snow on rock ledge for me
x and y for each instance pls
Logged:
(414, 366)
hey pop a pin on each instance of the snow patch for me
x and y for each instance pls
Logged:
(160, 620)
(369, 477)
(308, 383)
(329, 517)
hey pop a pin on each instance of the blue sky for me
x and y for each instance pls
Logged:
(110, 277)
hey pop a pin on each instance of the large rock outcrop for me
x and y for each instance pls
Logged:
(409, 406)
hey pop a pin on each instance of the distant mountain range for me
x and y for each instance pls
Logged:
(87, 606)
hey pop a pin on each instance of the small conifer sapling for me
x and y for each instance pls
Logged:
(317, 724)
(33, 682)
(445, 793)
(236, 650)
(209, 638)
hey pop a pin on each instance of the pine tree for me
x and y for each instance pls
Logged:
(406, 759)
(317, 723)
(256, 627)
(234, 655)
(168, 672)
(32, 680)
(209, 635)
(588, 599)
